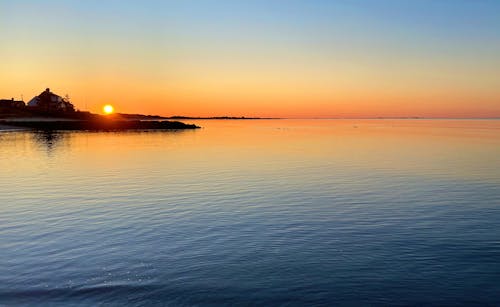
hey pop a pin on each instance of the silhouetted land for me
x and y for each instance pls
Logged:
(78, 120)
(85, 121)
(98, 125)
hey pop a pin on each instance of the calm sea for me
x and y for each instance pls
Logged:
(254, 212)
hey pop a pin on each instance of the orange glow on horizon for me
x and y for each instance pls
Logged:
(279, 101)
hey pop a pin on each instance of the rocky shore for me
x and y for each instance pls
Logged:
(102, 124)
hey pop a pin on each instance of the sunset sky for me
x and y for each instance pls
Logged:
(437, 58)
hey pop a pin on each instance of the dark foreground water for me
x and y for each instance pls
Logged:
(278, 212)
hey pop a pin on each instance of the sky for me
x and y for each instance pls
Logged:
(272, 58)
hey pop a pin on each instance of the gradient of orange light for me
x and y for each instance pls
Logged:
(295, 87)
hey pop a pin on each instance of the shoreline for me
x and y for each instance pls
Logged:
(11, 128)
(91, 125)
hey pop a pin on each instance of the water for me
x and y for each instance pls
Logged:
(267, 212)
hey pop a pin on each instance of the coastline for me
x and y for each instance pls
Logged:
(92, 125)
(10, 128)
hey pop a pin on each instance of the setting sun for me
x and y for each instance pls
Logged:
(108, 109)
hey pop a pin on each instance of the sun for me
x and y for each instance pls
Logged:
(108, 109)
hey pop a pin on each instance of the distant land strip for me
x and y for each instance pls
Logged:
(158, 117)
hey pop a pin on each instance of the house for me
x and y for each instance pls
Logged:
(50, 102)
(11, 103)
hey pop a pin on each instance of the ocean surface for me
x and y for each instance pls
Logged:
(253, 212)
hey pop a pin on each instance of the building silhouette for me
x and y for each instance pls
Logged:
(50, 102)
(11, 103)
